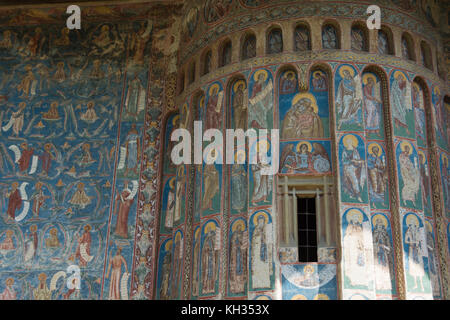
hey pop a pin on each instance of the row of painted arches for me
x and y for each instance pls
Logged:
(330, 39)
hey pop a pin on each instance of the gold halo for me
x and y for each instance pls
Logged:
(307, 96)
(9, 232)
(289, 73)
(404, 144)
(423, 155)
(412, 219)
(262, 298)
(215, 85)
(257, 73)
(372, 145)
(172, 182)
(437, 91)
(210, 158)
(239, 152)
(299, 297)
(33, 228)
(175, 119)
(350, 138)
(308, 144)
(349, 69)
(168, 245)
(371, 76)
(428, 226)
(321, 296)
(401, 74)
(236, 224)
(209, 226)
(354, 212)
(259, 214)
(383, 219)
(178, 236)
(320, 73)
(308, 269)
(238, 83)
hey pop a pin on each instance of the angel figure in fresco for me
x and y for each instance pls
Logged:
(376, 165)
(349, 97)
(415, 251)
(400, 99)
(240, 106)
(124, 201)
(83, 251)
(354, 168)
(355, 258)
(80, 198)
(16, 120)
(9, 293)
(209, 262)
(214, 108)
(372, 103)
(410, 174)
(260, 102)
(115, 264)
(238, 260)
(383, 254)
(261, 262)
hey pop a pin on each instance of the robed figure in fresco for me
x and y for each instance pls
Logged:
(260, 102)
(377, 173)
(211, 185)
(372, 102)
(180, 192)
(209, 263)
(383, 254)
(415, 251)
(349, 98)
(400, 99)
(9, 293)
(238, 260)
(124, 201)
(177, 265)
(240, 106)
(164, 290)
(410, 175)
(261, 262)
(354, 171)
(238, 183)
(302, 120)
(84, 247)
(132, 147)
(356, 260)
(80, 198)
(17, 120)
(214, 109)
(135, 100)
(15, 201)
(262, 184)
(115, 264)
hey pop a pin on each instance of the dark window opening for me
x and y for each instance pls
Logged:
(307, 230)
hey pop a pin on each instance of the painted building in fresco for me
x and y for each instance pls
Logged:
(86, 177)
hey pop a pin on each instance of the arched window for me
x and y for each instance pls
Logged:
(425, 51)
(330, 37)
(302, 38)
(407, 47)
(207, 60)
(192, 73)
(225, 54)
(248, 47)
(359, 38)
(385, 45)
(275, 41)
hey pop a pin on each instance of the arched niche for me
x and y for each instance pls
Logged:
(407, 47)
(331, 35)
(302, 37)
(385, 43)
(274, 40)
(359, 37)
(248, 46)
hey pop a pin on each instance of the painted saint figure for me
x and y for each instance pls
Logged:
(400, 100)
(383, 254)
(260, 102)
(415, 258)
(15, 201)
(214, 109)
(261, 263)
(372, 103)
(9, 293)
(239, 183)
(354, 171)
(240, 106)
(124, 201)
(376, 166)
(132, 146)
(84, 247)
(25, 158)
(38, 199)
(211, 185)
(115, 264)
(238, 260)
(209, 262)
(349, 97)
(17, 120)
(302, 120)
(410, 174)
(80, 198)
